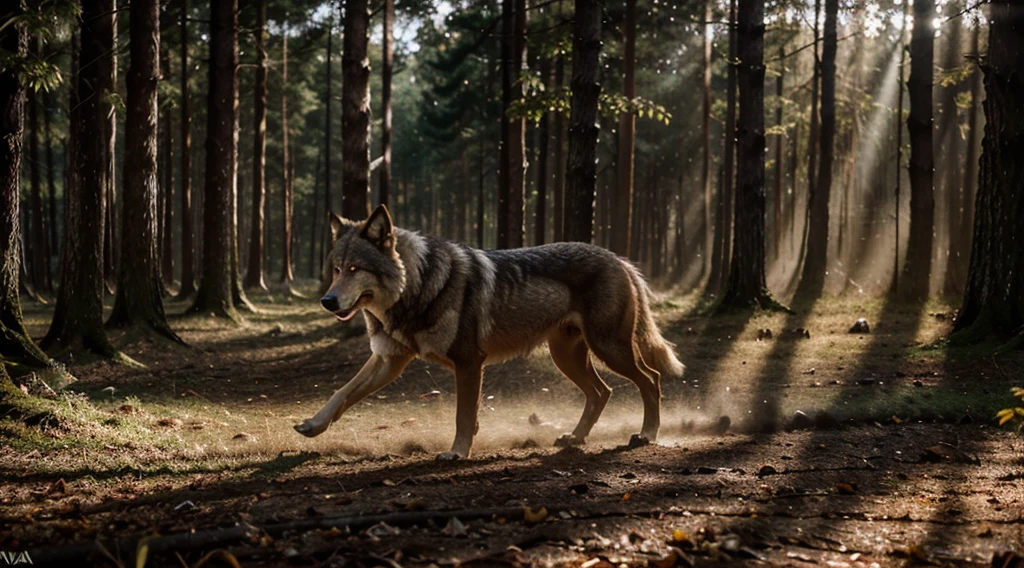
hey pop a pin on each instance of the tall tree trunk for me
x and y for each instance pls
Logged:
(254, 275)
(722, 247)
(747, 285)
(967, 197)
(215, 295)
(78, 317)
(812, 139)
(355, 112)
(287, 187)
(956, 247)
(512, 158)
(328, 132)
(543, 149)
(812, 281)
(188, 281)
(138, 301)
(581, 171)
(558, 207)
(167, 163)
(622, 231)
(705, 166)
(110, 244)
(780, 138)
(387, 70)
(994, 301)
(16, 347)
(917, 271)
(540, 218)
(40, 253)
(51, 186)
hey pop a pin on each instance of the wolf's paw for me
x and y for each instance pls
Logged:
(568, 441)
(309, 429)
(639, 441)
(448, 457)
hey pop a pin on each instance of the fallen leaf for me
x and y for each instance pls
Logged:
(534, 516)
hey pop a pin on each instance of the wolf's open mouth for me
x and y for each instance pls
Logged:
(347, 314)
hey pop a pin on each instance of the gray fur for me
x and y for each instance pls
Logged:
(465, 308)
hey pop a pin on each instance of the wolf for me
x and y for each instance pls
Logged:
(465, 308)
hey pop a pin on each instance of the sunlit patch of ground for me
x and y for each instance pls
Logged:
(212, 424)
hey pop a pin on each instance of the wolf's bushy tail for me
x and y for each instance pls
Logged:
(657, 352)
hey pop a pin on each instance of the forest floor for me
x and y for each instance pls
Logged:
(839, 449)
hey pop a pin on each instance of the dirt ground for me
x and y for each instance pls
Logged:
(835, 449)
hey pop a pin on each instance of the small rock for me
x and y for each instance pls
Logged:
(763, 334)
(704, 470)
(800, 421)
(722, 425)
(534, 420)
(767, 470)
(244, 437)
(867, 381)
(861, 326)
(918, 384)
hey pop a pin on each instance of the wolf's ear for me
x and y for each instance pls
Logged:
(378, 229)
(339, 225)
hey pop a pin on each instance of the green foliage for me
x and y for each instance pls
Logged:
(537, 101)
(44, 22)
(1015, 415)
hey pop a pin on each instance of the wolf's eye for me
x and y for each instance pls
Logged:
(352, 268)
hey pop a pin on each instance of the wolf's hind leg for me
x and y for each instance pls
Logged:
(572, 356)
(377, 373)
(618, 353)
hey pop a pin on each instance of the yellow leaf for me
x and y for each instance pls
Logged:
(531, 516)
(1006, 418)
(141, 553)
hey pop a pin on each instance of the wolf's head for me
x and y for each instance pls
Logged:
(367, 272)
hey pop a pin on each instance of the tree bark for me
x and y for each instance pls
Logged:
(138, 300)
(355, 112)
(215, 295)
(722, 247)
(705, 166)
(812, 281)
(993, 304)
(622, 232)
(558, 207)
(581, 171)
(16, 347)
(328, 102)
(167, 163)
(387, 70)
(812, 139)
(949, 132)
(78, 316)
(288, 189)
(51, 185)
(543, 148)
(969, 192)
(188, 281)
(40, 265)
(512, 158)
(110, 244)
(917, 268)
(780, 138)
(254, 273)
(747, 286)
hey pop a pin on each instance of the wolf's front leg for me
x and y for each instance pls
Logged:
(468, 385)
(377, 373)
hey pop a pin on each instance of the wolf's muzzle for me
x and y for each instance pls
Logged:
(330, 303)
